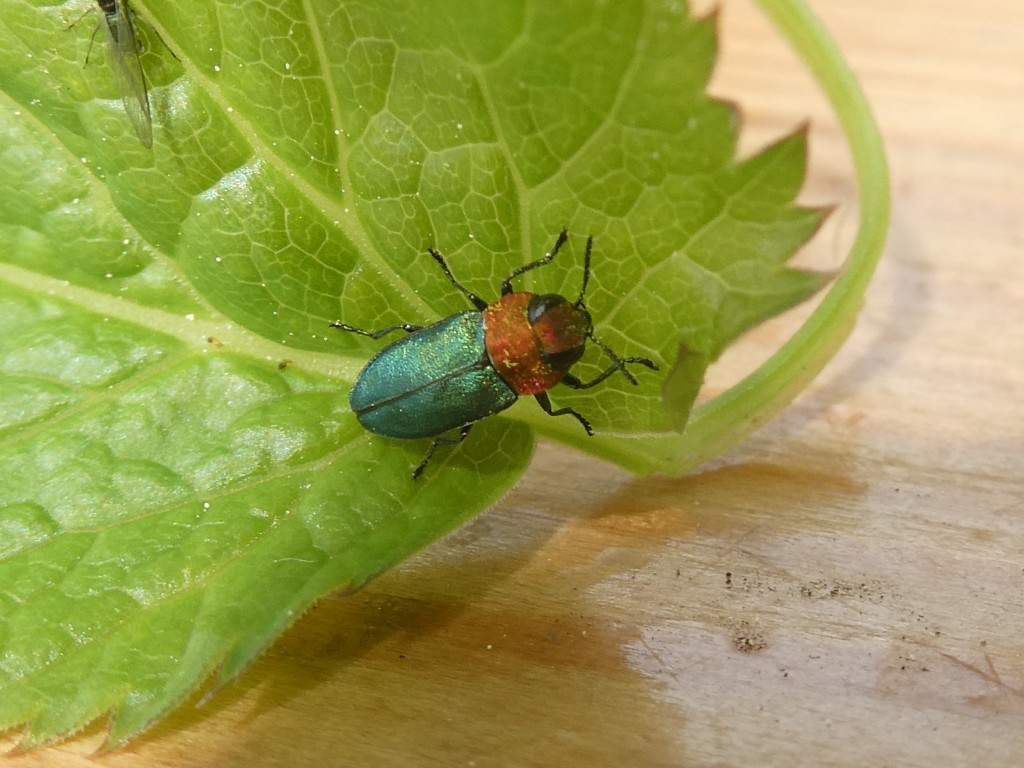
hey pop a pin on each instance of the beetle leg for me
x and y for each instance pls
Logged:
(475, 300)
(407, 327)
(506, 286)
(463, 434)
(545, 403)
(620, 365)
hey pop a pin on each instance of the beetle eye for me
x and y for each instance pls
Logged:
(539, 305)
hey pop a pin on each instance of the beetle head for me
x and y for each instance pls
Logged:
(561, 328)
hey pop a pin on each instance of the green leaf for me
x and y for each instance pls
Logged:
(183, 475)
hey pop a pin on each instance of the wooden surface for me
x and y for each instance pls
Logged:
(847, 588)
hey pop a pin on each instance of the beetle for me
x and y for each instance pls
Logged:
(474, 364)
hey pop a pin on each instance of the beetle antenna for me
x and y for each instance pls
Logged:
(586, 279)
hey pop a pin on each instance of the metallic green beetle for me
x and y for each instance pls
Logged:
(474, 364)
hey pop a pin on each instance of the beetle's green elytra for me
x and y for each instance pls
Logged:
(429, 382)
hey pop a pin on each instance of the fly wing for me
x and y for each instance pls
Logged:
(127, 69)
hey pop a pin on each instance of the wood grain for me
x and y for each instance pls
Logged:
(847, 588)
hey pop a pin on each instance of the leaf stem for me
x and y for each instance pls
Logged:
(724, 421)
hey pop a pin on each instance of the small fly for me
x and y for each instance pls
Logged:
(123, 51)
